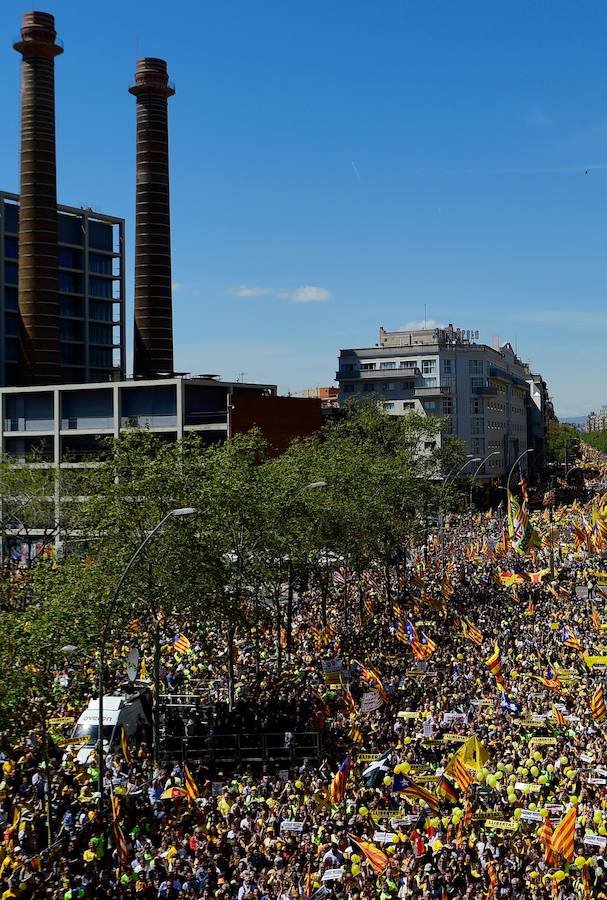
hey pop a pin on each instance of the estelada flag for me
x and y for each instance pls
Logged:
(181, 643)
(378, 859)
(564, 835)
(597, 705)
(191, 788)
(340, 780)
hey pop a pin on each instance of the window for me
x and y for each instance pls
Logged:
(70, 306)
(70, 331)
(11, 247)
(449, 366)
(69, 259)
(346, 367)
(477, 445)
(477, 384)
(408, 363)
(11, 273)
(10, 298)
(100, 334)
(348, 388)
(448, 406)
(476, 406)
(475, 366)
(100, 356)
(477, 425)
(70, 283)
(408, 404)
(100, 310)
(428, 382)
(387, 365)
(388, 406)
(430, 405)
(100, 287)
(367, 367)
(429, 445)
(408, 385)
(368, 387)
(388, 386)
(428, 366)
(11, 324)
(100, 264)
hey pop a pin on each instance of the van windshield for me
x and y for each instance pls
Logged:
(90, 730)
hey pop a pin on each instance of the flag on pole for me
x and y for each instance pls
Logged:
(570, 640)
(191, 788)
(545, 836)
(559, 718)
(494, 662)
(597, 705)
(462, 775)
(447, 790)
(404, 784)
(118, 832)
(378, 859)
(181, 644)
(340, 780)
(472, 632)
(564, 835)
(125, 746)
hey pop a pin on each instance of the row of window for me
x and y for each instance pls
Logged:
(369, 386)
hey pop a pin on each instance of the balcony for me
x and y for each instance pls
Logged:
(90, 423)
(377, 375)
(149, 421)
(28, 424)
(484, 390)
(422, 393)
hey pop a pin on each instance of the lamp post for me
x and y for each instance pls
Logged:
(313, 486)
(480, 466)
(449, 479)
(510, 473)
(174, 513)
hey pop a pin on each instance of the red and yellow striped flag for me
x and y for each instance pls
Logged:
(191, 788)
(472, 632)
(494, 662)
(564, 835)
(378, 859)
(558, 716)
(462, 775)
(125, 746)
(118, 832)
(596, 619)
(597, 705)
(545, 836)
(492, 890)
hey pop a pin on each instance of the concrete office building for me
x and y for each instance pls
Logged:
(481, 392)
(597, 421)
(91, 294)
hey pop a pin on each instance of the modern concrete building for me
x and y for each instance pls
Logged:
(597, 421)
(481, 392)
(91, 291)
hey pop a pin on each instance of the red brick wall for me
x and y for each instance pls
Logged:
(281, 419)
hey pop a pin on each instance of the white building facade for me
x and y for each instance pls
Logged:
(482, 392)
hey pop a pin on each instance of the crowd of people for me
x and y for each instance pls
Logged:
(461, 722)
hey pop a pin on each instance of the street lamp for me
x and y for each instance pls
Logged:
(480, 466)
(514, 464)
(445, 484)
(174, 513)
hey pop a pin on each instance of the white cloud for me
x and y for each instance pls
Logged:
(310, 294)
(419, 326)
(305, 294)
(246, 290)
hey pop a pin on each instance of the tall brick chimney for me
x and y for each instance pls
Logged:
(38, 271)
(153, 294)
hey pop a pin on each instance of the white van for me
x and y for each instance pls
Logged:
(128, 711)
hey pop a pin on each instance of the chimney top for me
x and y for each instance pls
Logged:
(38, 35)
(151, 76)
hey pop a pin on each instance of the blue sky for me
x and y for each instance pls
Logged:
(337, 165)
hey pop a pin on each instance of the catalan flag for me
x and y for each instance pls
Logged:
(564, 835)
(596, 620)
(472, 632)
(467, 812)
(372, 677)
(378, 859)
(559, 718)
(191, 788)
(492, 880)
(597, 705)
(181, 644)
(545, 835)
(118, 832)
(495, 666)
(462, 775)
(404, 784)
(124, 744)
(338, 785)
(355, 734)
(570, 640)
(348, 700)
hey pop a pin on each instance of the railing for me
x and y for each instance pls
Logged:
(148, 420)
(25, 424)
(438, 391)
(485, 390)
(87, 422)
(250, 747)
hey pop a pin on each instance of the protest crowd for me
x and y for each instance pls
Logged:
(461, 714)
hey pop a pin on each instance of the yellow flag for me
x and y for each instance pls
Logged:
(472, 754)
(143, 672)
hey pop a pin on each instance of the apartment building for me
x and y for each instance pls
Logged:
(482, 393)
(597, 421)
